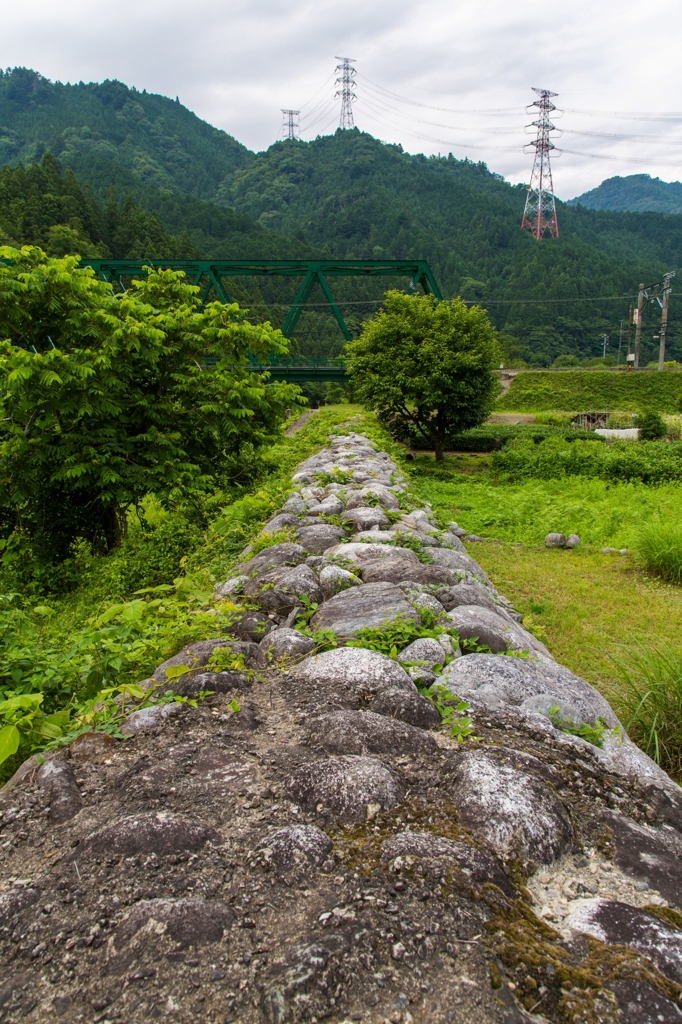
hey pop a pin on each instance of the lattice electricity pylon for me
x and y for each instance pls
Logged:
(539, 214)
(347, 82)
(290, 123)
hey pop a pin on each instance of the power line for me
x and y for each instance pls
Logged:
(347, 91)
(539, 214)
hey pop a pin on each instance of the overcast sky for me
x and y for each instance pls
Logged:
(236, 63)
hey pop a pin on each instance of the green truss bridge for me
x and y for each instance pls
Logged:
(211, 276)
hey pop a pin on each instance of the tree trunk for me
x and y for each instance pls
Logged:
(439, 451)
(111, 525)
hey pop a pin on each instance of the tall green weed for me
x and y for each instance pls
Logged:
(649, 700)
(659, 547)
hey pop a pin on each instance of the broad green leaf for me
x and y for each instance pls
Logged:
(9, 742)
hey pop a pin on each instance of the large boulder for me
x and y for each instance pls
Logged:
(159, 833)
(57, 780)
(370, 605)
(424, 651)
(494, 629)
(510, 801)
(353, 673)
(318, 538)
(366, 518)
(511, 681)
(458, 562)
(286, 642)
(192, 921)
(648, 854)
(332, 505)
(381, 493)
(281, 589)
(334, 579)
(363, 552)
(272, 557)
(399, 570)
(406, 706)
(476, 864)
(364, 732)
(296, 844)
(467, 594)
(352, 788)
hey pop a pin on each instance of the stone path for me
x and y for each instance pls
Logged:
(331, 851)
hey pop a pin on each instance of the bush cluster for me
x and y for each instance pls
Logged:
(651, 462)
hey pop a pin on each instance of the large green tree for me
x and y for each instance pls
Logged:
(105, 398)
(427, 363)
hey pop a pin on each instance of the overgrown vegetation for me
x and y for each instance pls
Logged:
(651, 462)
(67, 648)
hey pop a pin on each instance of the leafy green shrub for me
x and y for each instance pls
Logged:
(652, 462)
(659, 547)
(534, 390)
(428, 363)
(107, 398)
(649, 700)
(651, 426)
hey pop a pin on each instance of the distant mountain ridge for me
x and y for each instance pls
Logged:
(635, 193)
(342, 195)
(108, 131)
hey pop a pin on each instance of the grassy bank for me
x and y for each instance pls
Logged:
(592, 390)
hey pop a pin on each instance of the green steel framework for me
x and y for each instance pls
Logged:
(210, 273)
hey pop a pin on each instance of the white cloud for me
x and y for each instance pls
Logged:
(236, 64)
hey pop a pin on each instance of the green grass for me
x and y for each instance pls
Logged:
(601, 513)
(593, 390)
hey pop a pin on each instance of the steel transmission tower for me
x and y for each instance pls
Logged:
(540, 212)
(347, 82)
(290, 123)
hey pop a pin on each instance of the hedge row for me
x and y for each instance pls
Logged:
(492, 436)
(593, 390)
(649, 462)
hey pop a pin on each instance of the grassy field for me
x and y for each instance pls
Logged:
(585, 602)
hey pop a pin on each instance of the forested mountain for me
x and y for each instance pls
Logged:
(107, 131)
(343, 195)
(636, 193)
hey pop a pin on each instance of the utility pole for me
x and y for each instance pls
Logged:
(539, 214)
(290, 124)
(347, 82)
(667, 278)
(620, 342)
(605, 341)
(638, 323)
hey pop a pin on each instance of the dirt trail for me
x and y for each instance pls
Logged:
(300, 422)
